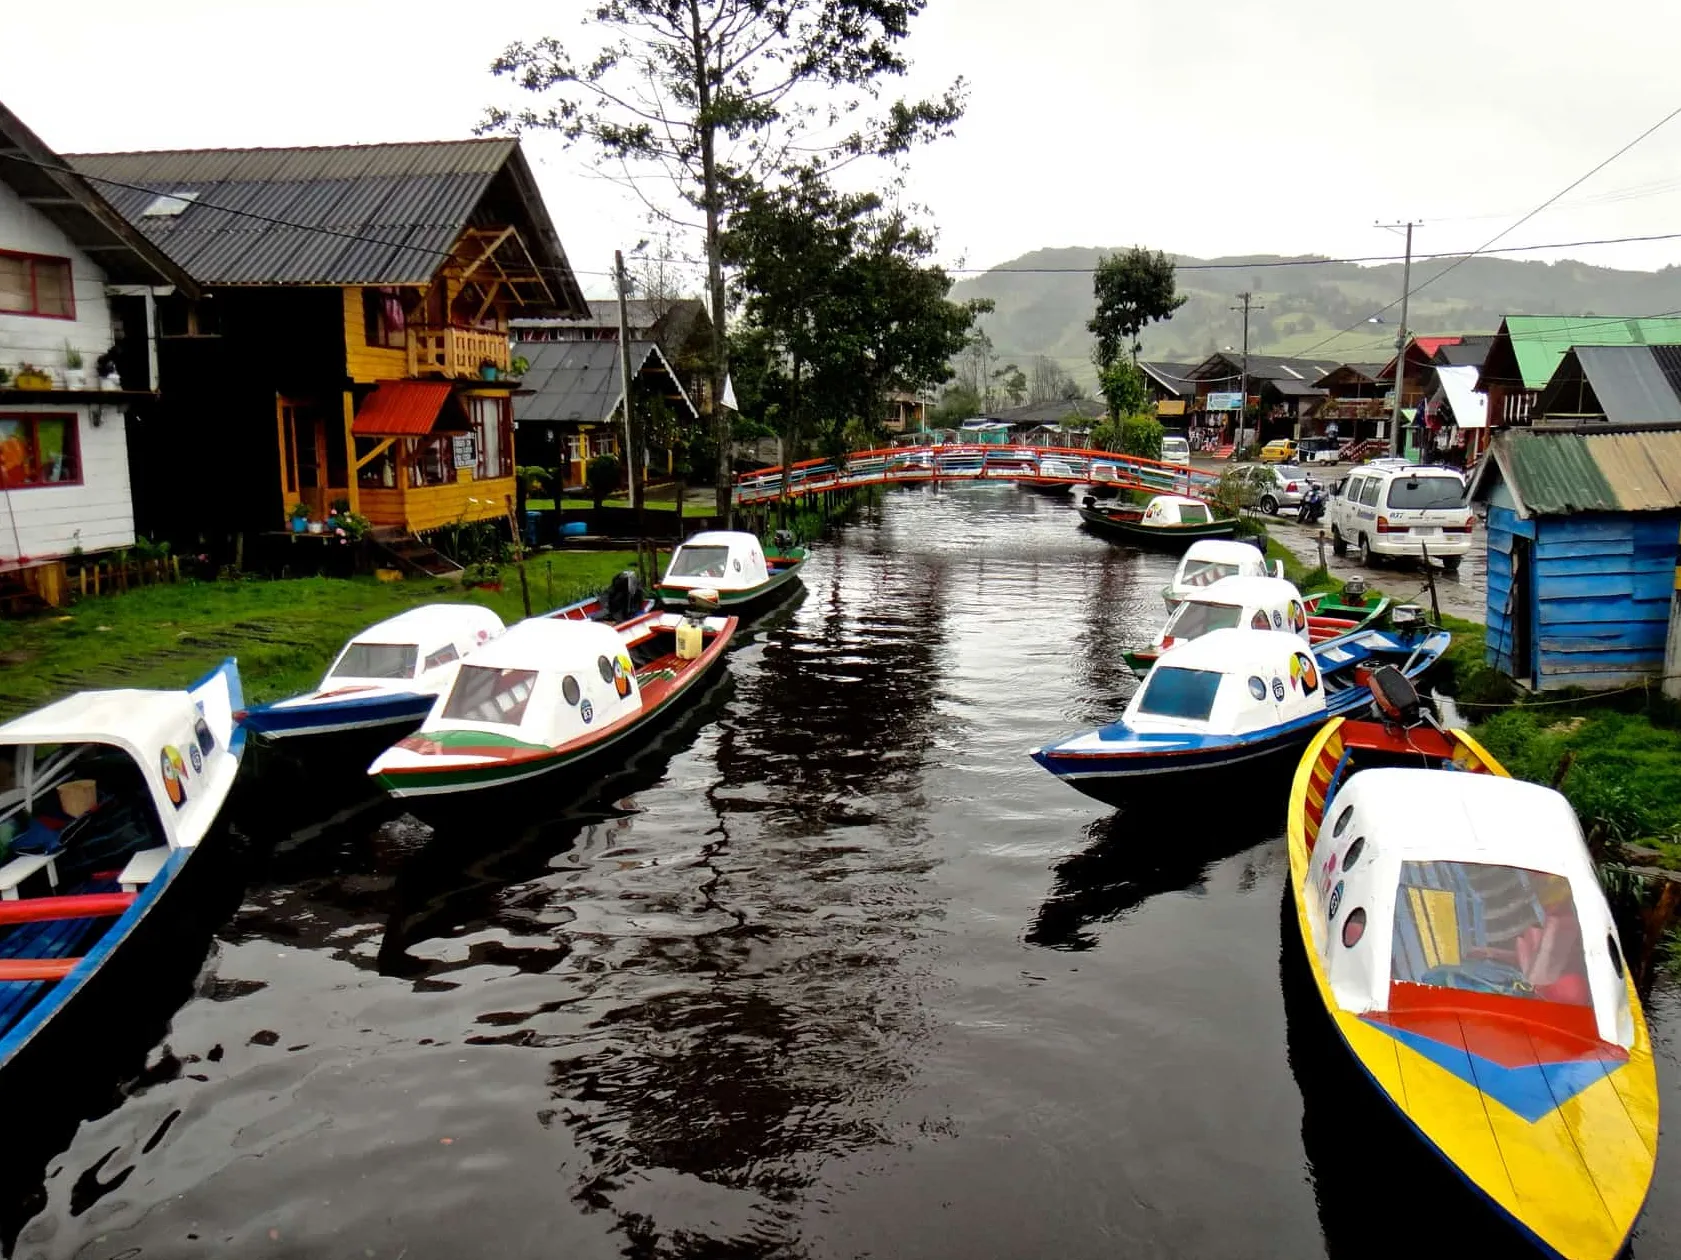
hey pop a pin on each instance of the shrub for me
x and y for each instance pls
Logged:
(1141, 435)
(602, 477)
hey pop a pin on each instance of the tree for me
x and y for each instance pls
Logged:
(1133, 290)
(1049, 381)
(1122, 387)
(601, 475)
(1013, 382)
(716, 97)
(957, 404)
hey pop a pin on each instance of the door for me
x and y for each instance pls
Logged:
(306, 457)
(1520, 611)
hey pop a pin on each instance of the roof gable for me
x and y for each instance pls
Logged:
(577, 382)
(1566, 473)
(1536, 344)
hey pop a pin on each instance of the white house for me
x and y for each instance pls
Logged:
(64, 255)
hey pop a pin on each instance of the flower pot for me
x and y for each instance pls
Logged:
(33, 380)
(300, 524)
(316, 527)
(488, 371)
(110, 383)
(75, 378)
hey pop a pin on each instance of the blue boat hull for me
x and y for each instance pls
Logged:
(385, 712)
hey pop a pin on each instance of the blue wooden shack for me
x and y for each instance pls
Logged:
(1583, 531)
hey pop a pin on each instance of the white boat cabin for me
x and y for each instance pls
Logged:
(1176, 509)
(718, 560)
(545, 681)
(1255, 603)
(1424, 880)
(1229, 682)
(1208, 560)
(415, 651)
(108, 777)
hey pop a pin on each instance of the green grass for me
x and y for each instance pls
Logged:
(283, 632)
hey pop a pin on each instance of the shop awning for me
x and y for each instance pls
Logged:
(410, 409)
(1470, 409)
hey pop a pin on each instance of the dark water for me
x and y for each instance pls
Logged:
(836, 971)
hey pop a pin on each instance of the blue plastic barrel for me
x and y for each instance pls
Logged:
(573, 529)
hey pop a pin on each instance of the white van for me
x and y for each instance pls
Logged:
(1176, 449)
(1402, 511)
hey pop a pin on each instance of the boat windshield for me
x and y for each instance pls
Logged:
(706, 562)
(1426, 493)
(1194, 514)
(377, 660)
(1180, 693)
(1489, 929)
(1193, 620)
(1206, 572)
(483, 694)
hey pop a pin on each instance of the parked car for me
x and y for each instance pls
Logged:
(1279, 451)
(1318, 450)
(1402, 511)
(1289, 483)
(1176, 449)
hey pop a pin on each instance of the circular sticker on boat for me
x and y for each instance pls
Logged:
(206, 741)
(174, 775)
(196, 757)
(606, 668)
(621, 677)
(738, 566)
(1278, 689)
(1277, 620)
(569, 689)
(586, 710)
(1336, 901)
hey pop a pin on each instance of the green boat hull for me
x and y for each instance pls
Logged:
(744, 602)
(1175, 537)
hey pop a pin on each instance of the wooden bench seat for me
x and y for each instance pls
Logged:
(143, 868)
(21, 868)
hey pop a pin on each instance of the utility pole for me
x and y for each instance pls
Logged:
(624, 379)
(1401, 343)
(1243, 383)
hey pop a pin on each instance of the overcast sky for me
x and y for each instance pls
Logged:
(1198, 126)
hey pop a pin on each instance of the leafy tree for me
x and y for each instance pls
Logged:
(601, 475)
(1142, 436)
(1013, 382)
(1133, 290)
(1122, 386)
(1106, 435)
(957, 404)
(716, 96)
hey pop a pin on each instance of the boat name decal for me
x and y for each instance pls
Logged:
(1336, 902)
(586, 710)
(1278, 689)
(174, 775)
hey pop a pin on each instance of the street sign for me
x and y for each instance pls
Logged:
(1226, 402)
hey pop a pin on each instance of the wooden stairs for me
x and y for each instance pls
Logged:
(406, 552)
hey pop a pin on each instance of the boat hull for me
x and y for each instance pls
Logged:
(1126, 777)
(389, 712)
(1570, 1180)
(1174, 537)
(1140, 659)
(743, 603)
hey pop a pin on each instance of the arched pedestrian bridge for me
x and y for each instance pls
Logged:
(1032, 465)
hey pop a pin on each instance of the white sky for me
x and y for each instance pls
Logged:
(1198, 126)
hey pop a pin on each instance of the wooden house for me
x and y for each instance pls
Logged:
(1169, 390)
(1527, 349)
(75, 280)
(351, 346)
(1353, 408)
(1283, 388)
(1583, 530)
(680, 327)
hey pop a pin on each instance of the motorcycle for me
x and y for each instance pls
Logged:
(1313, 506)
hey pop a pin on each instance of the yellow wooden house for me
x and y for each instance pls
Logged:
(357, 312)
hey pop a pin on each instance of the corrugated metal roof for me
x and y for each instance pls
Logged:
(1629, 383)
(1541, 341)
(1562, 474)
(408, 409)
(577, 382)
(361, 214)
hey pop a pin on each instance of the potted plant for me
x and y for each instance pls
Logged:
(75, 376)
(488, 369)
(519, 366)
(300, 517)
(5, 377)
(31, 377)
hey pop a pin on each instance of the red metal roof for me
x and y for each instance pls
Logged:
(405, 409)
(1432, 344)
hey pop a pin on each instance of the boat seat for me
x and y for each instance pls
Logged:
(143, 868)
(21, 868)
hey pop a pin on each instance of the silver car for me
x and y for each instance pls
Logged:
(1290, 483)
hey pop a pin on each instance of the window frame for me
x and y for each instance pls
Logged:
(377, 329)
(73, 440)
(34, 310)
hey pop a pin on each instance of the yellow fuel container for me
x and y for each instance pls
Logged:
(690, 639)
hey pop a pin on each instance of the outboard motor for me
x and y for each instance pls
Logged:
(624, 596)
(784, 539)
(1396, 698)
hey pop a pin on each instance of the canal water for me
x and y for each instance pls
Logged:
(833, 971)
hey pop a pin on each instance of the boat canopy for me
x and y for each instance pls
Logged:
(1255, 603)
(1176, 509)
(1462, 882)
(411, 645)
(1210, 559)
(545, 681)
(1229, 682)
(718, 560)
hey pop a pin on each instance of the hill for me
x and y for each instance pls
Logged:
(1044, 299)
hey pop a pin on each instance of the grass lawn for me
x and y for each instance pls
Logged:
(691, 507)
(283, 632)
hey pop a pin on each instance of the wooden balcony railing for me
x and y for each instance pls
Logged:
(455, 352)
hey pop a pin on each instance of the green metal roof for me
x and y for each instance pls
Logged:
(1540, 341)
(1561, 474)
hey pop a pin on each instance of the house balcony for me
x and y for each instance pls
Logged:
(456, 353)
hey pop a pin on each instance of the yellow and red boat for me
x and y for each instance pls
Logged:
(1461, 945)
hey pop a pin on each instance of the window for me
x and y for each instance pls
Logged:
(34, 284)
(39, 450)
(1489, 929)
(1205, 573)
(1425, 493)
(493, 424)
(377, 660)
(706, 562)
(383, 321)
(1193, 514)
(432, 460)
(484, 694)
(1180, 693)
(1368, 491)
(1193, 620)
(443, 656)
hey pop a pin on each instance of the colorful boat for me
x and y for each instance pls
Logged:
(1460, 944)
(1168, 520)
(550, 695)
(1231, 700)
(1212, 561)
(1261, 603)
(746, 576)
(107, 795)
(1054, 478)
